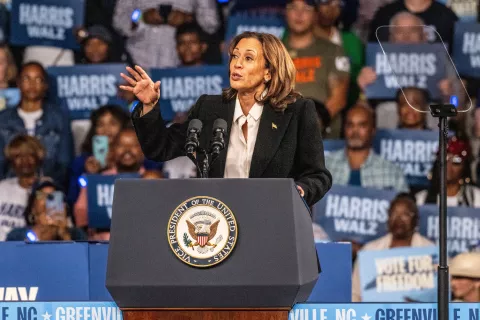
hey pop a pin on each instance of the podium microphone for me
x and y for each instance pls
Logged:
(218, 141)
(193, 131)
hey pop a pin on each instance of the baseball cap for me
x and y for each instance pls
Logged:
(460, 149)
(99, 32)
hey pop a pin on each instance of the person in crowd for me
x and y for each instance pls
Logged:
(152, 175)
(358, 164)
(322, 67)
(35, 117)
(402, 223)
(191, 45)
(25, 154)
(8, 68)
(465, 272)
(460, 190)
(127, 157)
(45, 223)
(151, 41)
(410, 101)
(366, 11)
(327, 27)
(435, 15)
(264, 111)
(405, 28)
(473, 133)
(108, 121)
(97, 46)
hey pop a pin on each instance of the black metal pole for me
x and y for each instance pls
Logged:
(443, 279)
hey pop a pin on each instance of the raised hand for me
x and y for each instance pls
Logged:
(142, 87)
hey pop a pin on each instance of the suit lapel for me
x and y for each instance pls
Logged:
(226, 113)
(273, 125)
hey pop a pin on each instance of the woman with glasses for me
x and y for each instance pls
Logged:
(402, 224)
(46, 217)
(460, 191)
(35, 117)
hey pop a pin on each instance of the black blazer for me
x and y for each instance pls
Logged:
(293, 149)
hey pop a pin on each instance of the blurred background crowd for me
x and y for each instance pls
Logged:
(46, 156)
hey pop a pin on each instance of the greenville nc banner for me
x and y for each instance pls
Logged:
(301, 311)
(400, 65)
(83, 88)
(466, 49)
(46, 22)
(100, 190)
(354, 213)
(463, 227)
(399, 274)
(181, 87)
(413, 150)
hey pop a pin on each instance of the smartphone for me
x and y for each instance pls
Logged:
(54, 203)
(100, 149)
(164, 11)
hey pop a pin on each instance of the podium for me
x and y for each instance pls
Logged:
(160, 266)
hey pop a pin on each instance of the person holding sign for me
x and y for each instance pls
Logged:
(402, 223)
(272, 131)
(460, 190)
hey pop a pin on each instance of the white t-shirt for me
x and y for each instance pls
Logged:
(30, 119)
(13, 200)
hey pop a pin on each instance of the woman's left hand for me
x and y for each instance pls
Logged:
(300, 189)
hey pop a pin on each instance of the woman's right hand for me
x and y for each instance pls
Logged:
(142, 86)
(366, 77)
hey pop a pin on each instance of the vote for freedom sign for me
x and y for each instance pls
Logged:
(46, 22)
(354, 213)
(399, 65)
(398, 275)
(181, 87)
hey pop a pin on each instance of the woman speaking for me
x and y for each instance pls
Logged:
(272, 132)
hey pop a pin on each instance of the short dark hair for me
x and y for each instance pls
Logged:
(190, 27)
(411, 203)
(35, 64)
(425, 94)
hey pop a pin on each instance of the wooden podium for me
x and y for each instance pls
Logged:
(273, 264)
(206, 314)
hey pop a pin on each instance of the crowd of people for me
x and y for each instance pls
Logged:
(38, 155)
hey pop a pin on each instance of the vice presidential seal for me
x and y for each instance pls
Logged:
(202, 231)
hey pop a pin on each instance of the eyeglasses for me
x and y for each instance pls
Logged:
(454, 159)
(36, 80)
(404, 215)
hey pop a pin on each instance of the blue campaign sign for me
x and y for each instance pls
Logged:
(4, 18)
(97, 260)
(466, 49)
(401, 65)
(336, 262)
(9, 98)
(463, 227)
(100, 190)
(44, 271)
(46, 22)
(83, 88)
(354, 213)
(181, 87)
(412, 150)
(330, 145)
(399, 274)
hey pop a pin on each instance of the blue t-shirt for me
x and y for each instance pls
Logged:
(355, 178)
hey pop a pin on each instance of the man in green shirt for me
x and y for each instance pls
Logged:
(322, 67)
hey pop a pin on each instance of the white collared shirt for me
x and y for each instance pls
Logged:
(239, 155)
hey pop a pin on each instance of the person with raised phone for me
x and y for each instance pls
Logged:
(272, 131)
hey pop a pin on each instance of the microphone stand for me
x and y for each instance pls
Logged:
(442, 112)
